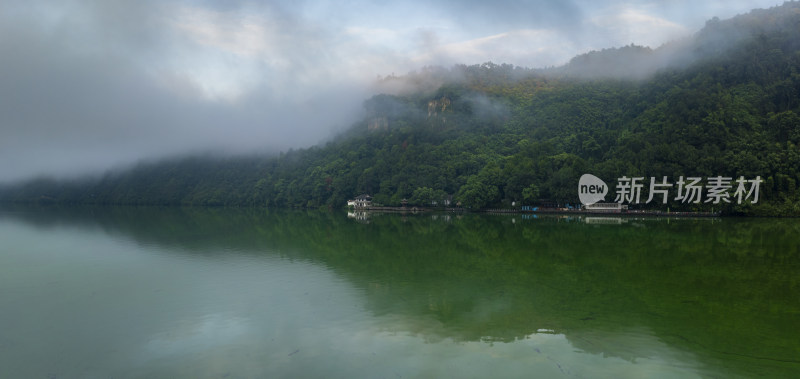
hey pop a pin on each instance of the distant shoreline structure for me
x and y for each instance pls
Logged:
(563, 211)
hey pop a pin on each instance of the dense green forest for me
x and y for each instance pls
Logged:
(725, 102)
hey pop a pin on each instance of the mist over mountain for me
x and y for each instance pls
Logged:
(90, 85)
(711, 42)
(724, 101)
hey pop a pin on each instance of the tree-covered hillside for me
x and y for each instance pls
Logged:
(725, 102)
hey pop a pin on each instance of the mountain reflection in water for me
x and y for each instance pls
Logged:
(576, 296)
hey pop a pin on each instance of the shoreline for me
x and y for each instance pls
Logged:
(561, 211)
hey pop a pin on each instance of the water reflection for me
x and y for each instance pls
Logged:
(605, 220)
(297, 293)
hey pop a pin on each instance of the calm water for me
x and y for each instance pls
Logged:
(214, 293)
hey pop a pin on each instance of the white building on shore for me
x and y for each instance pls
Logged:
(606, 207)
(361, 201)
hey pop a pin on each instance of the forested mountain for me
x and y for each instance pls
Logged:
(723, 102)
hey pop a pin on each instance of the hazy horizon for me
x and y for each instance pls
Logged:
(92, 85)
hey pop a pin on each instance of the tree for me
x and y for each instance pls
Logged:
(477, 193)
(530, 193)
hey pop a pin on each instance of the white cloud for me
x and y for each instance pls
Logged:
(525, 47)
(88, 84)
(625, 25)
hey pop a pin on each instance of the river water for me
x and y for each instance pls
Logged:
(92, 292)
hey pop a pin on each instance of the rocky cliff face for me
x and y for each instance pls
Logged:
(378, 123)
(437, 106)
(436, 109)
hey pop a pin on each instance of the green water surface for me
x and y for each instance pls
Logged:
(226, 293)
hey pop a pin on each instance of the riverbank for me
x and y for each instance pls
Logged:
(654, 213)
(637, 213)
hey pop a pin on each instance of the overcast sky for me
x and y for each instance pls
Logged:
(90, 85)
